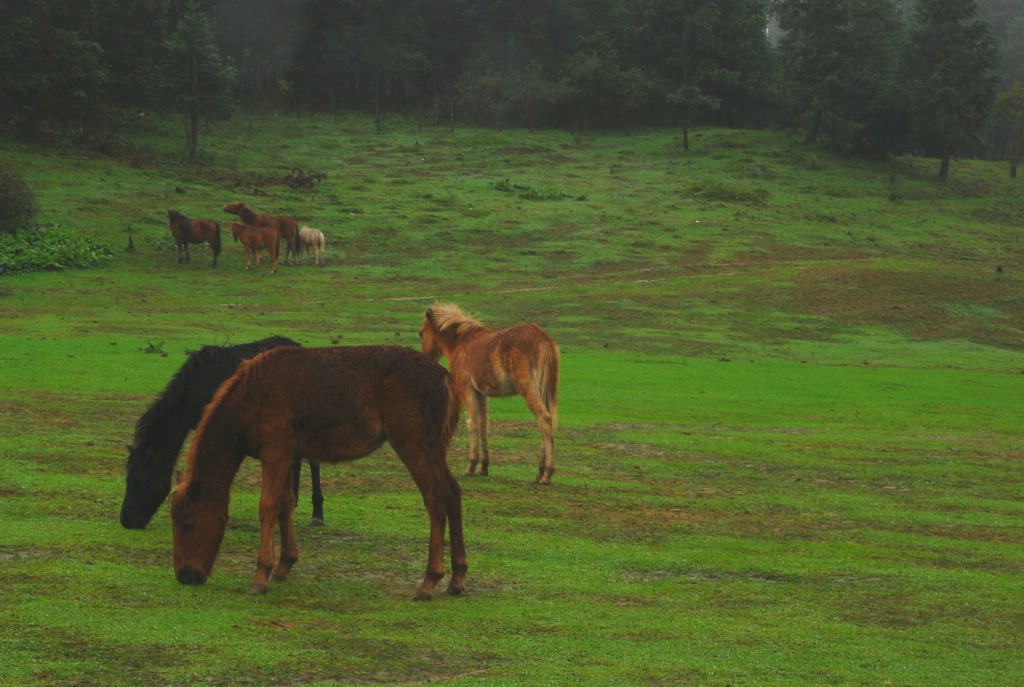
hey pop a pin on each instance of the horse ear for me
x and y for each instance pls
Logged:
(429, 315)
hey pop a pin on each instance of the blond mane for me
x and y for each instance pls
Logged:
(447, 316)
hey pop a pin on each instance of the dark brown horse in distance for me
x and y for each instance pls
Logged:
(520, 360)
(328, 405)
(287, 226)
(186, 231)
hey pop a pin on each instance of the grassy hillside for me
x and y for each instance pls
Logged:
(789, 448)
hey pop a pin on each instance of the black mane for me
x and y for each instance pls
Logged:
(161, 431)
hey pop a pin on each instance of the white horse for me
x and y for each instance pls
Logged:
(313, 240)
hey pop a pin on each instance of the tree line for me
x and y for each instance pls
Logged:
(873, 77)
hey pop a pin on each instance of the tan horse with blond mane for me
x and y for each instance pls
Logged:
(520, 360)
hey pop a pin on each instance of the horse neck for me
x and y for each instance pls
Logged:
(163, 428)
(454, 337)
(215, 456)
(247, 216)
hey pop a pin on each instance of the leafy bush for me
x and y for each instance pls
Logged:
(529, 193)
(50, 248)
(17, 204)
(728, 193)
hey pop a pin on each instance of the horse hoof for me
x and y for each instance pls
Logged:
(455, 590)
(316, 522)
(423, 596)
(256, 588)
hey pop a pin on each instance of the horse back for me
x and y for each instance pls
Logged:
(341, 403)
(504, 362)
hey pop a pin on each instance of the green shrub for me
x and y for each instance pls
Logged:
(17, 204)
(50, 248)
(728, 193)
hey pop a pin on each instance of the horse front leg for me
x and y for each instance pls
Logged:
(286, 525)
(318, 495)
(273, 502)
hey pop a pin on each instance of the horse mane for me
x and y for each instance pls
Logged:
(174, 410)
(448, 316)
(243, 211)
(171, 408)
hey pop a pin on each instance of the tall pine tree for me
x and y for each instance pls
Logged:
(949, 76)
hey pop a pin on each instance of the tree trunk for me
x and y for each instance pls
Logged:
(944, 167)
(812, 132)
(1013, 170)
(193, 134)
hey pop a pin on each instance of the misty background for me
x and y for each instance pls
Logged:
(871, 77)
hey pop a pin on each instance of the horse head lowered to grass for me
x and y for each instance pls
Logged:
(520, 360)
(330, 405)
(161, 431)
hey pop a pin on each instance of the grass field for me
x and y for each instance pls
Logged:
(789, 449)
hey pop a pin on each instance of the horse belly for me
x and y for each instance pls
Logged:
(495, 386)
(337, 444)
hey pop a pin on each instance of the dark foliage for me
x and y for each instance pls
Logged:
(17, 204)
(847, 73)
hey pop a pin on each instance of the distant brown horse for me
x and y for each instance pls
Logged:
(287, 226)
(188, 231)
(520, 360)
(328, 405)
(255, 239)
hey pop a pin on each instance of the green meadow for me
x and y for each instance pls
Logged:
(789, 447)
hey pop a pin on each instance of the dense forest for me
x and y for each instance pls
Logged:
(873, 77)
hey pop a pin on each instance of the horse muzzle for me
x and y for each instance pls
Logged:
(189, 575)
(131, 521)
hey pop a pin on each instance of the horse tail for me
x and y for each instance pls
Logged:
(550, 360)
(216, 239)
(453, 411)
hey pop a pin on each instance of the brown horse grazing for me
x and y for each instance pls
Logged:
(188, 231)
(255, 239)
(520, 360)
(287, 226)
(328, 405)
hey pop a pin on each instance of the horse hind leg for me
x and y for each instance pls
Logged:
(443, 500)
(476, 421)
(546, 424)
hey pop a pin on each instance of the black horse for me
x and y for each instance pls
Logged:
(162, 429)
